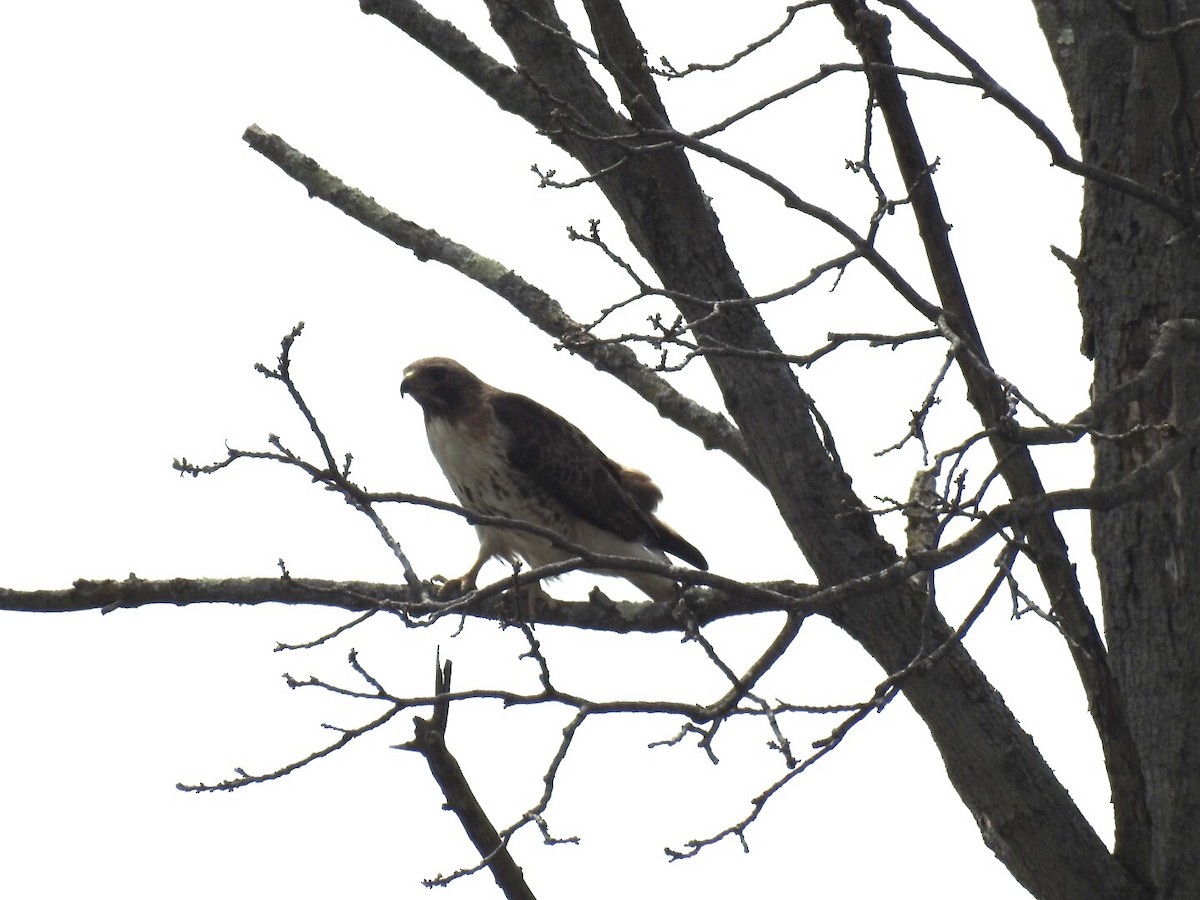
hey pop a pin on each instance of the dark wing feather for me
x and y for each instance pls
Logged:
(562, 460)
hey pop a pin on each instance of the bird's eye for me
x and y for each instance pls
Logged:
(438, 373)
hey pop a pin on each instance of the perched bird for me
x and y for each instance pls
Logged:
(506, 455)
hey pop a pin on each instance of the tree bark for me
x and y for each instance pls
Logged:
(1132, 80)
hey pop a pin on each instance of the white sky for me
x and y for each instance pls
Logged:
(150, 258)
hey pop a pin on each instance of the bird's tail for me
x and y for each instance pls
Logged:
(670, 540)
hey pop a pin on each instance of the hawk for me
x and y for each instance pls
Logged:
(506, 455)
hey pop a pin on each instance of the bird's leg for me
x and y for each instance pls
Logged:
(465, 582)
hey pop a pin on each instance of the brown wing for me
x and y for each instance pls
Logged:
(561, 460)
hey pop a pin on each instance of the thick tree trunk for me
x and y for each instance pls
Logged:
(1137, 111)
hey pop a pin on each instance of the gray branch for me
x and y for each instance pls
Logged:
(713, 429)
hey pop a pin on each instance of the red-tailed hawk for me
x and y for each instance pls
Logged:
(506, 455)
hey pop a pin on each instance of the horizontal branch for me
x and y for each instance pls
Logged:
(598, 614)
(712, 596)
(719, 598)
(109, 594)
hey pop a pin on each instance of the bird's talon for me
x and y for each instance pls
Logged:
(451, 588)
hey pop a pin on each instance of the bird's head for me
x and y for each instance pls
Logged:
(442, 386)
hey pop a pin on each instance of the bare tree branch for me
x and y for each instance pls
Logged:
(869, 33)
(1058, 153)
(347, 735)
(429, 740)
(670, 71)
(714, 430)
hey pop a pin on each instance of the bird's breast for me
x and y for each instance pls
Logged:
(475, 462)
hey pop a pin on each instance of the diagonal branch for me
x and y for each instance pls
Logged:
(510, 90)
(716, 432)
(430, 741)
(869, 33)
(1059, 156)
(244, 778)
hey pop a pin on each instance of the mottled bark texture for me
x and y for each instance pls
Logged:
(1132, 80)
